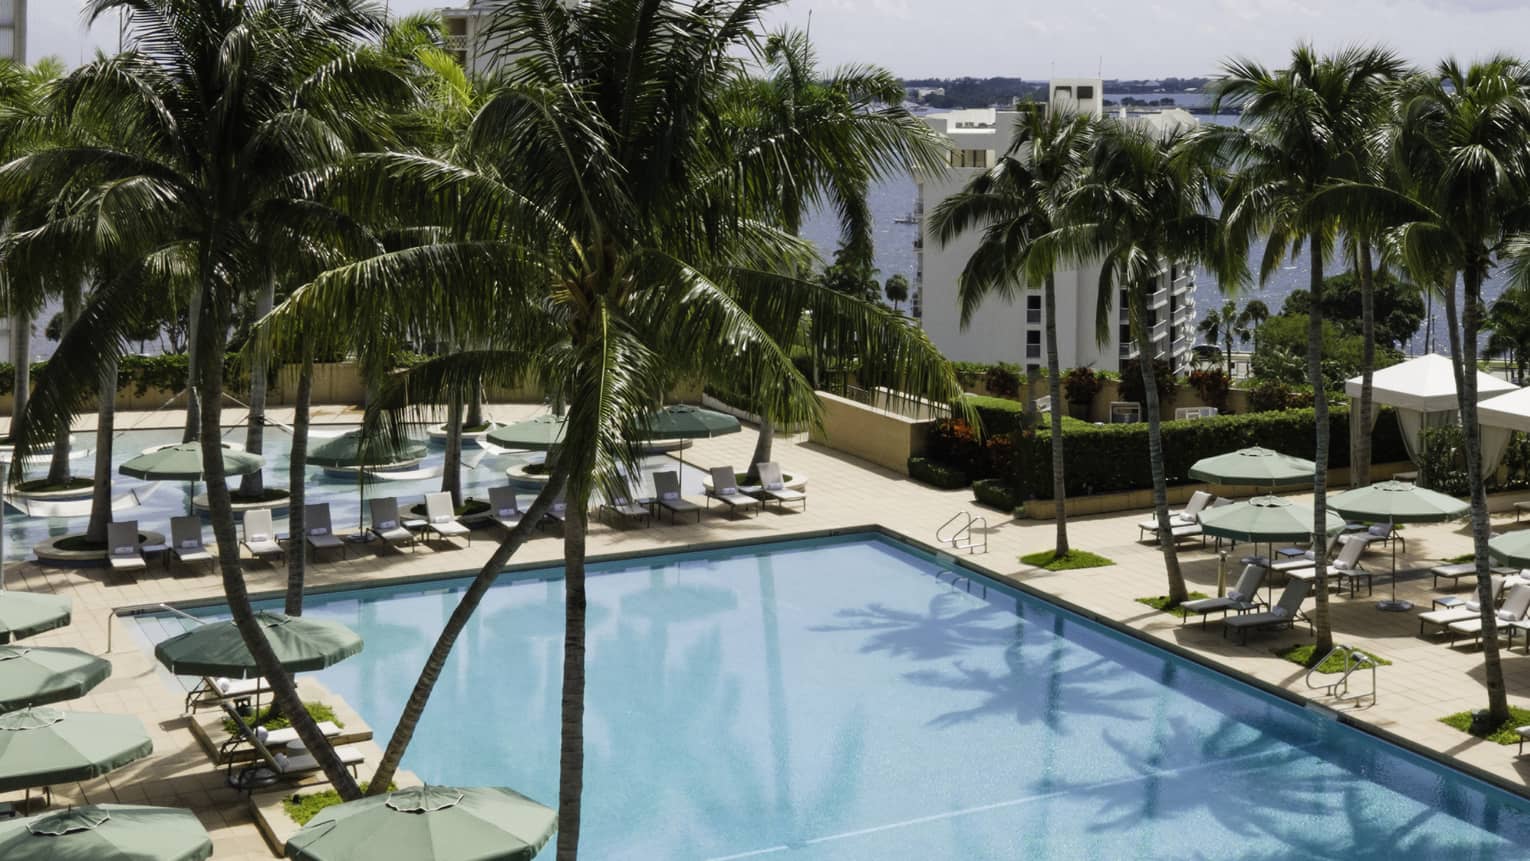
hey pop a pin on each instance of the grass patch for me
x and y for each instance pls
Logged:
(1070, 561)
(1503, 734)
(302, 807)
(1463, 558)
(320, 711)
(1161, 603)
(1306, 653)
(42, 485)
(266, 494)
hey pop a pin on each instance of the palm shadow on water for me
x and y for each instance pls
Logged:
(948, 627)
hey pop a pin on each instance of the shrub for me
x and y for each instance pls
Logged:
(1131, 383)
(1212, 385)
(996, 493)
(1081, 385)
(1002, 380)
(968, 373)
(1268, 396)
(954, 443)
(936, 474)
(1442, 460)
(997, 415)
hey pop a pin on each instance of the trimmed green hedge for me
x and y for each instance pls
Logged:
(936, 474)
(997, 415)
(996, 493)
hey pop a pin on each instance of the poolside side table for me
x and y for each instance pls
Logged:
(1447, 602)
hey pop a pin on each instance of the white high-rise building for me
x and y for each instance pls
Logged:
(1014, 331)
(465, 28)
(13, 30)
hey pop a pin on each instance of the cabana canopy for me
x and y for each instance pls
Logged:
(1510, 411)
(1423, 391)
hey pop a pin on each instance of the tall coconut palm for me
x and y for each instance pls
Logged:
(827, 138)
(1016, 203)
(215, 114)
(1253, 315)
(605, 233)
(1304, 128)
(1144, 203)
(1220, 328)
(1508, 320)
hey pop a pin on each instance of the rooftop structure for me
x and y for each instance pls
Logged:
(13, 30)
(1014, 332)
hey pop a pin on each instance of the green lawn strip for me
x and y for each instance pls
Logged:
(320, 711)
(1305, 654)
(1161, 602)
(1072, 560)
(1504, 734)
(303, 807)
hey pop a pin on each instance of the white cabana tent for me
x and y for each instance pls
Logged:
(1423, 392)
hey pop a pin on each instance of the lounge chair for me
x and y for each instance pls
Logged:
(319, 532)
(773, 486)
(211, 692)
(186, 540)
(126, 552)
(1515, 606)
(667, 485)
(1345, 568)
(441, 519)
(233, 750)
(1283, 615)
(1188, 515)
(725, 490)
(623, 507)
(289, 764)
(260, 535)
(1243, 597)
(1470, 609)
(1297, 559)
(505, 507)
(557, 512)
(386, 524)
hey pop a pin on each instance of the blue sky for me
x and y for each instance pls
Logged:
(1124, 38)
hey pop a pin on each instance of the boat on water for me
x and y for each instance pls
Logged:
(906, 219)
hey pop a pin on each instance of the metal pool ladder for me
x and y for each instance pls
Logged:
(961, 536)
(1354, 659)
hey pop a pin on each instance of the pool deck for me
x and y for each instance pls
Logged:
(1427, 679)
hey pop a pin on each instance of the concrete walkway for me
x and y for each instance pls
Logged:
(1426, 681)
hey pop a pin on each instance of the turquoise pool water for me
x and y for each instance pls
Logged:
(850, 698)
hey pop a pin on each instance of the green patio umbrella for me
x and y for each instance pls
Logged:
(1257, 466)
(107, 832)
(1511, 548)
(183, 462)
(36, 675)
(431, 823)
(23, 614)
(42, 746)
(216, 649)
(1264, 519)
(535, 434)
(347, 451)
(1393, 502)
(683, 421)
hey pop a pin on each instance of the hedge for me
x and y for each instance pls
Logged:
(1109, 458)
(997, 415)
(937, 474)
(996, 493)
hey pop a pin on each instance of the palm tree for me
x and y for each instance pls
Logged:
(1220, 327)
(1462, 146)
(1304, 127)
(1017, 204)
(828, 138)
(215, 120)
(1145, 201)
(1508, 320)
(603, 233)
(1253, 315)
(896, 289)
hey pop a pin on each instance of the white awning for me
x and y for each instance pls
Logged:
(1510, 411)
(1426, 384)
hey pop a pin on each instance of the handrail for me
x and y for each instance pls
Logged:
(951, 539)
(964, 531)
(1354, 659)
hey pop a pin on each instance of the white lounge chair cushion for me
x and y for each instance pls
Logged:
(125, 550)
(508, 512)
(190, 544)
(728, 491)
(318, 530)
(387, 524)
(1279, 612)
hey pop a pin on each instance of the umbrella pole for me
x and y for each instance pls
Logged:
(1393, 605)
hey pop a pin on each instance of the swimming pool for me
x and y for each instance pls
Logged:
(168, 499)
(849, 698)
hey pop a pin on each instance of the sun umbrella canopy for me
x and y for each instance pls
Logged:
(1397, 502)
(216, 649)
(432, 823)
(23, 614)
(535, 434)
(347, 451)
(1262, 467)
(107, 832)
(683, 421)
(184, 463)
(1426, 384)
(35, 675)
(1512, 548)
(1264, 518)
(42, 746)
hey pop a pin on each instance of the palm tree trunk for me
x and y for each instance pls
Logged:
(451, 468)
(419, 697)
(21, 358)
(106, 420)
(1054, 386)
(1360, 475)
(762, 448)
(474, 416)
(1320, 623)
(1492, 668)
(58, 467)
(253, 486)
(1138, 298)
(297, 483)
(193, 349)
(571, 759)
(209, 373)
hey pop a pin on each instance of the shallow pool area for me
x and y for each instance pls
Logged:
(160, 501)
(855, 698)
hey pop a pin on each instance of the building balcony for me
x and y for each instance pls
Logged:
(1158, 300)
(1161, 331)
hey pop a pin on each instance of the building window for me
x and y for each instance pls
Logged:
(1033, 309)
(1062, 91)
(969, 158)
(1085, 92)
(1033, 345)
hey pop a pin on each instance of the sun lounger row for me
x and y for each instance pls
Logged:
(1186, 522)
